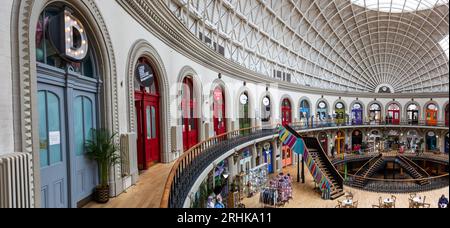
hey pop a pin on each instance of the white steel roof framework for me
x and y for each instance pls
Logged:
(344, 45)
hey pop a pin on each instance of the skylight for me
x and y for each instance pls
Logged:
(444, 44)
(399, 6)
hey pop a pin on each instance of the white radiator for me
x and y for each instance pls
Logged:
(130, 172)
(16, 181)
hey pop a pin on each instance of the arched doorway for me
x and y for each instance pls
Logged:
(219, 119)
(413, 140)
(447, 115)
(305, 112)
(446, 143)
(375, 114)
(268, 156)
(340, 142)
(266, 111)
(357, 114)
(147, 103)
(244, 111)
(412, 114)
(340, 113)
(432, 114)
(357, 140)
(393, 114)
(431, 141)
(287, 156)
(322, 112)
(286, 112)
(189, 115)
(68, 82)
(323, 139)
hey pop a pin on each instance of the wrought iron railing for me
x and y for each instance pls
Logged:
(332, 123)
(391, 186)
(188, 168)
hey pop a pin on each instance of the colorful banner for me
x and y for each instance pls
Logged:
(298, 146)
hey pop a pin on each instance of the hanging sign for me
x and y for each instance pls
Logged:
(266, 101)
(144, 75)
(68, 36)
(243, 99)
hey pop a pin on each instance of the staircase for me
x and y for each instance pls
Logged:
(323, 164)
(368, 170)
(414, 170)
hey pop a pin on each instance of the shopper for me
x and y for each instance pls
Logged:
(332, 151)
(443, 202)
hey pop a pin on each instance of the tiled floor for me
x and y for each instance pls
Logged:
(305, 197)
(146, 194)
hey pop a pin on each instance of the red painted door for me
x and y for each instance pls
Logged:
(286, 113)
(147, 113)
(394, 117)
(432, 117)
(190, 122)
(219, 112)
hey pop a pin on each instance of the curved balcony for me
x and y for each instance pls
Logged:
(190, 166)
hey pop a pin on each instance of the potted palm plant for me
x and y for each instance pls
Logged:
(103, 150)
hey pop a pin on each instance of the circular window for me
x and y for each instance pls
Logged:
(357, 106)
(339, 106)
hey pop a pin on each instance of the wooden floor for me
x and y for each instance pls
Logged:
(146, 194)
(305, 197)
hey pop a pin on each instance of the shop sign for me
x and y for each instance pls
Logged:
(266, 101)
(68, 36)
(243, 99)
(144, 75)
(322, 105)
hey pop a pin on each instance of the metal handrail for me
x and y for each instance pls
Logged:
(188, 157)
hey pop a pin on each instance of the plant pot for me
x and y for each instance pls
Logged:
(101, 194)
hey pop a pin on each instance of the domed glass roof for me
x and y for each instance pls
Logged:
(341, 45)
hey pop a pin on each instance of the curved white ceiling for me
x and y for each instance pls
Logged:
(327, 44)
(399, 6)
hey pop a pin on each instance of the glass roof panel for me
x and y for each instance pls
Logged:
(399, 6)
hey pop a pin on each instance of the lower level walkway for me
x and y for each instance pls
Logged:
(146, 194)
(305, 197)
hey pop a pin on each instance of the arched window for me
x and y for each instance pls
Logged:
(432, 111)
(412, 113)
(244, 111)
(286, 112)
(340, 113)
(266, 110)
(393, 114)
(375, 113)
(322, 111)
(357, 114)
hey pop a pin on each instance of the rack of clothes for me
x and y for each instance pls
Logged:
(279, 191)
(269, 197)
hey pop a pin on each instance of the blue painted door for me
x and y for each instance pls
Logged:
(268, 159)
(84, 120)
(52, 143)
(357, 116)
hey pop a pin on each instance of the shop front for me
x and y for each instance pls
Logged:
(412, 114)
(305, 112)
(147, 103)
(219, 118)
(268, 156)
(68, 94)
(357, 140)
(340, 142)
(446, 143)
(357, 114)
(432, 141)
(190, 117)
(244, 115)
(323, 139)
(432, 111)
(340, 113)
(266, 111)
(393, 114)
(447, 115)
(286, 112)
(322, 113)
(287, 156)
(375, 114)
